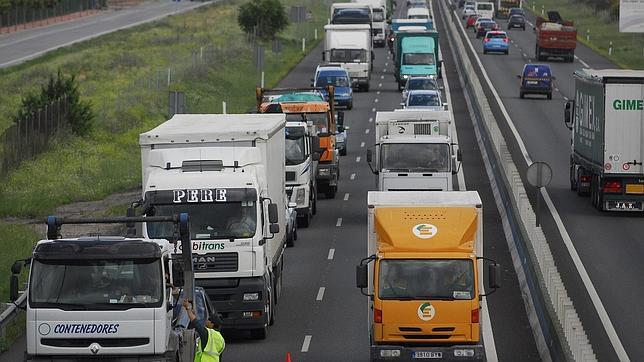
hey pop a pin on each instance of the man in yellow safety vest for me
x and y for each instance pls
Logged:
(211, 343)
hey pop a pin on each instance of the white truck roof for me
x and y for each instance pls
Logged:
(613, 73)
(427, 198)
(347, 27)
(187, 128)
(406, 123)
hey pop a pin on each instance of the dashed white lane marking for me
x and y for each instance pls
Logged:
(379, 84)
(370, 119)
(556, 89)
(382, 77)
(339, 222)
(346, 196)
(331, 254)
(361, 144)
(375, 100)
(373, 109)
(384, 70)
(320, 294)
(358, 159)
(524, 54)
(366, 131)
(386, 64)
(378, 92)
(353, 176)
(582, 62)
(306, 343)
(565, 98)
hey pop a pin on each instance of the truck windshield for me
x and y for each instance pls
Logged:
(295, 151)
(320, 120)
(96, 284)
(415, 157)
(225, 220)
(378, 15)
(420, 16)
(418, 59)
(348, 55)
(426, 279)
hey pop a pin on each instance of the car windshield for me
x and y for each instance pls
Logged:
(486, 24)
(378, 15)
(430, 157)
(424, 100)
(223, 220)
(348, 55)
(537, 71)
(426, 279)
(421, 84)
(96, 284)
(418, 59)
(295, 151)
(334, 80)
(495, 36)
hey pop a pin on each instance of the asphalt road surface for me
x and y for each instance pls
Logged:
(609, 244)
(21, 46)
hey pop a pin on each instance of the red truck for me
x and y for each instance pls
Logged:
(555, 37)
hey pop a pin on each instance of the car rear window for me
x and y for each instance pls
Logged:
(540, 71)
(495, 35)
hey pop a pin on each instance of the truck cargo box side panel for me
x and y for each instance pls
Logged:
(624, 128)
(589, 121)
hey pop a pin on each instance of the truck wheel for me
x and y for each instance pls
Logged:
(314, 201)
(330, 194)
(549, 95)
(366, 87)
(521, 95)
(289, 240)
(304, 221)
(343, 152)
(350, 106)
(573, 184)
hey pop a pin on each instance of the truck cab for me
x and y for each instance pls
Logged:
(413, 151)
(351, 46)
(417, 53)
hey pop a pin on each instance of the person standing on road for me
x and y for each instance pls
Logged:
(211, 343)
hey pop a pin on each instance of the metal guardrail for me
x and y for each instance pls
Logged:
(9, 314)
(540, 263)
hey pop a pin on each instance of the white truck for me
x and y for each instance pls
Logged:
(606, 118)
(350, 46)
(378, 19)
(109, 298)
(228, 172)
(414, 151)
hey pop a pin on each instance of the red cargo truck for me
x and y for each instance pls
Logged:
(555, 38)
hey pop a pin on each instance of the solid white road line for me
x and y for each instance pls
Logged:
(306, 343)
(361, 144)
(320, 294)
(353, 176)
(339, 222)
(346, 196)
(582, 62)
(331, 254)
(357, 159)
(581, 269)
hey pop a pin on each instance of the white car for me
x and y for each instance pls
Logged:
(467, 11)
(424, 100)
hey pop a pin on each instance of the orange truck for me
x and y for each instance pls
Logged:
(555, 38)
(423, 276)
(308, 104)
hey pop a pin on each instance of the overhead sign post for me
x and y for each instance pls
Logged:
(539, 175)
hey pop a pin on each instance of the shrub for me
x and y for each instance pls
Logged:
(265, 17)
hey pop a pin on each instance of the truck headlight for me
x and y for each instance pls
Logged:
(299, 196)
(463, 353)
(324, 172)
(405, 76)
(251, 296)
(390, 353)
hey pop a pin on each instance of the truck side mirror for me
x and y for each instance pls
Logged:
(459, 155)
(315, 144)
(274, 228)
(369, 155)
(568, 118)
(16, 268)
(340, 119)
(446, 106)
(272, 213)
(494, 276)
(323, 57)
(373, 55)
(361, 276)
(315, 156)
(13, 287)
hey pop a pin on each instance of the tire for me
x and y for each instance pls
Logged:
(304, 221)
(259, 333)
(521, 95)
(343, 152)
(549, 95)
(314, 201)
(330, 194)
(507, 52)
(294, 238)
(271, 309)
(366, 88)
(580, 192)
(573, 184)
(484, 51)
(289, 241)
(350, 106)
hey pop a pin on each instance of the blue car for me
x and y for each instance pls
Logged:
(536, 79)
(496, 41)
(338, 78)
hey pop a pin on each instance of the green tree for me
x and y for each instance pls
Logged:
(267, 17)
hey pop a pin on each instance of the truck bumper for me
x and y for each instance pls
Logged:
(169, 357)
(357, 82)
(227, 295)
(474, 352)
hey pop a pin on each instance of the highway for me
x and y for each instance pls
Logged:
(608, 244)
(330, 324)
(16, 48)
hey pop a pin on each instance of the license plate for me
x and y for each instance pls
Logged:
(427, 355)
(532, 82)
(625, 205)
(634, 189)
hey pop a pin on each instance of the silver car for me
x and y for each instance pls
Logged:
(421, 83)
(424, 100)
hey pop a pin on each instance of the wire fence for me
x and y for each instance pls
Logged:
(31, 135)
(43, 12)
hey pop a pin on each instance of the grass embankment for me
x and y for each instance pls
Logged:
(628, 48)
(124, 75)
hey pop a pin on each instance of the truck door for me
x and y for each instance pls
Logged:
(624, 127)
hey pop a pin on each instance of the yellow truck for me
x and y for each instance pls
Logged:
(423, 276)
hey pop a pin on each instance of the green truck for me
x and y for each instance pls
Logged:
(417, 54)
(606, 118)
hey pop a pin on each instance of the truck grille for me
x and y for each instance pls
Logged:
(423, 129)
(86, 342)
(290, 176)
(216, 262)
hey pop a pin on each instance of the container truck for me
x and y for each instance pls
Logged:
(417, 53)
(227, 171)
(414, 151)
(423, 276)
(555, 38)
(109, 298)
(378, 19)
(606, 118)
(503, 7)
(351, 47)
